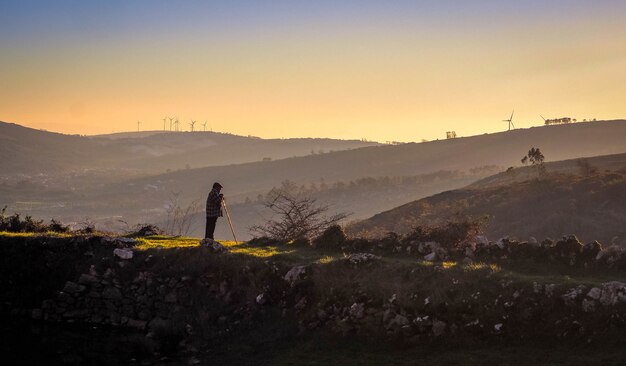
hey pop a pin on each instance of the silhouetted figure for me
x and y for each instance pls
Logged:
(213, 209)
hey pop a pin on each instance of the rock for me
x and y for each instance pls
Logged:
(595, 293)
(171, 298)
(398, 321)
(573, 293)
(497, 327)
(78, 313)
(87, 279)
(439, 328)
(591, 250)
(301, 305)
(613, 293)
(73, 288)
(588, 305)
(159, 323)
(533, 242)
(482, 240)
(137, 324)
(213, 246)
(261, 299)
(296, 274)
(568, 248)
(431, 257)
(502, 242)
(357, 310)
(123, 253)
(361, 258)
(111, 293)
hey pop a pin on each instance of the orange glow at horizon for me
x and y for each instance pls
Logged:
(399, 87)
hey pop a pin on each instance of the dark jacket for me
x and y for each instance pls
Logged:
(214, 204)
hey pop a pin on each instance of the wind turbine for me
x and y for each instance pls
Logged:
(171, 120)
(164, 119)
(138, 123)
(176, 123)
(192, 124)
(204, 126)
(510, 120)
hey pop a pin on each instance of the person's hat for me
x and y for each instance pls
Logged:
(217, 185)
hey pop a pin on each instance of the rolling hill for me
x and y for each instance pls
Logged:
(590, 204)
(29, 151)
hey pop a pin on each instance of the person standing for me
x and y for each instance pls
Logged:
(213, 209)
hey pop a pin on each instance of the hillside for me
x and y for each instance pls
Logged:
(30, 151)
(502, 149)
(591, 205)
(94, 299)
(136, 197)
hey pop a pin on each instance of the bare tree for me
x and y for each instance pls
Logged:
(179, 219)
(298, 215)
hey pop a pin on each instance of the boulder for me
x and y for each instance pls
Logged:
(296, 274)
(431, 257)
(261, 299)
(482, 240)
(568, 248)
(361, 258)
(111, 293)
(357, 310)
(590, 251)
(613, 293)
(123, 253)
(87, 279)
(439, 328)
(73, 288)
(213, 246)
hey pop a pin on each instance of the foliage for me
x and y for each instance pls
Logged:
(16, 224)
(299, 217)
(331, 238)
(536, 158)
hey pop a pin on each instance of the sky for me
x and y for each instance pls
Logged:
(381, 70)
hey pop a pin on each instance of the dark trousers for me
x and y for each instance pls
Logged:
(210, 227)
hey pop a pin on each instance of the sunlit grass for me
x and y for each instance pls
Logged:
(326, 259)
(166, 242)
(29, 235)
(482, 266)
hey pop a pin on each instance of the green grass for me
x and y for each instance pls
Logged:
(33, 235)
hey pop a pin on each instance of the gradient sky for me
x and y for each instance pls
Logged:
(381, 70)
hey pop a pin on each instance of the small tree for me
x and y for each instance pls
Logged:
(298, 216)
(535, 158)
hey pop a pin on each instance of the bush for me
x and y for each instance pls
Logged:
(16, 224)
(331, 238)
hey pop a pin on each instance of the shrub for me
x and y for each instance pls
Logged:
(16, 224)
(331, 238)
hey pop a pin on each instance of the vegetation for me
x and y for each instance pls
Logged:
(16, 224)
(536, 158)
(299, 217)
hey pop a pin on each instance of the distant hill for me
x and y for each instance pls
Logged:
(30, 151)
(142, 197)
(589, 204)
(501, 149)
